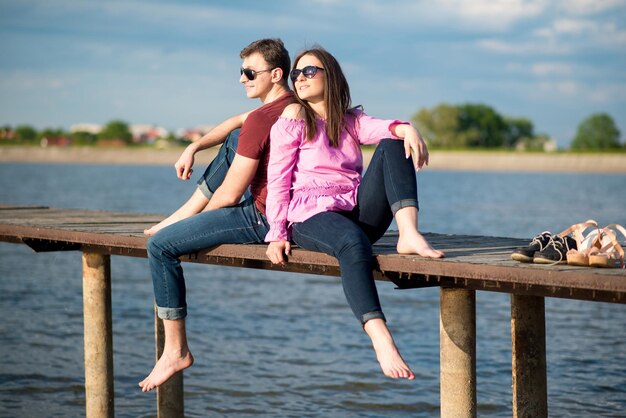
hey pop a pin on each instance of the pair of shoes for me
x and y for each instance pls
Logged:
(610, 253)
(555, 251)
(546, 248)
(526, 254)
(586, 243)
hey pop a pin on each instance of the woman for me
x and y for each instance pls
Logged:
(318, 199)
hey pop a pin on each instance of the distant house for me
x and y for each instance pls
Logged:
(537, 143)
(58, 141)
(91, 128)
(194, 134)
(147, 134)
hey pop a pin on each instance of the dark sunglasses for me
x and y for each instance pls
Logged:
(251, 74)
(309, 72)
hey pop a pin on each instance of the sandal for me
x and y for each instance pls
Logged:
(585, 244)
(611, 254)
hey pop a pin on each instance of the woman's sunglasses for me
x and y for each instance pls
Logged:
(251, 74)
(309, 72)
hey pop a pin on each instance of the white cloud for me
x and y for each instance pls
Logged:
(501, 13)
(599, 93)
(481, 15)
(525, 47)
(586, 7)
(549, 68)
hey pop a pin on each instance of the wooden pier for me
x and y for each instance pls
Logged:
(472, 263)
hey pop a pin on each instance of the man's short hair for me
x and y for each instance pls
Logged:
(273, 51)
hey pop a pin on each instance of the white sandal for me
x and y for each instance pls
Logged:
(611, 254)
(585, 244)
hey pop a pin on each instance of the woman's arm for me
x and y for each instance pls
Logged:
(216, 136)
(286, 137)
(372, 131)
(412, 141)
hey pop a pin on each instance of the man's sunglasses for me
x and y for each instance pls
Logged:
(309, 72)
(251, 74)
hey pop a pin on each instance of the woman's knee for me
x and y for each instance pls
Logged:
(354, 245)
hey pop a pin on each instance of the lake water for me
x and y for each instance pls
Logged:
(265, 345)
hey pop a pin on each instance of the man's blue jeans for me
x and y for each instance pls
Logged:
(241, 224)
(388, 185)
(216, 171)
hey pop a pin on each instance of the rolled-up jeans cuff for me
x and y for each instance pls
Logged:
(204, 188)
(372, 315)
(171, 313)
(404, 203)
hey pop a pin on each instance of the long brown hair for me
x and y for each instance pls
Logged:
(336, 96)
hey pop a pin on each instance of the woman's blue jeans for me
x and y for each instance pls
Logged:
(241, 224)
(388, 185)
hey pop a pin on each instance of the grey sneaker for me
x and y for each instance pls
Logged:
(555, 251)
(526, 254)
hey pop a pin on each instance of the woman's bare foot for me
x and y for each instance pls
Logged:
(387, 354)
(168, 365)
(412, 242)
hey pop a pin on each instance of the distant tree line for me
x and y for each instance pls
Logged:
(26, 134)
(443, 126)
(116, 131)
(480, 126)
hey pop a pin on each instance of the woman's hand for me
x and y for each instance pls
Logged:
(276, 251)
(413, 141)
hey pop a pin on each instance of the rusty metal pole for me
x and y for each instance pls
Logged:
(170, 398)
(528, 335)
(457, 333)
(98, 335)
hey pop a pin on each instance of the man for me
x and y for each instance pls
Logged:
(214, 214)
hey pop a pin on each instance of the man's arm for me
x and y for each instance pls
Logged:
(216, 136)
(238, 178)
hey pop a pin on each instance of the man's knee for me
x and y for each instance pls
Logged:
(232, 139)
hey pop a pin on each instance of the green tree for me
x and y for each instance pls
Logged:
(518, 129)
(116, 130)
(84, 138)
(439, 126)
(481, 126)
(25, 133)
(597, 132)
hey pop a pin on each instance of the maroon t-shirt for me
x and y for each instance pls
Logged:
(254, 142)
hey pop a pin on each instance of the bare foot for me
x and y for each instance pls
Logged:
(166, 367)
(196, 204)
(387, 354)
(412, 242)
(173, 218)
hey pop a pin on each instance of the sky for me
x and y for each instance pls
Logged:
(176, 63)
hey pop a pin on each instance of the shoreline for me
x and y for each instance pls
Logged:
(439, 160)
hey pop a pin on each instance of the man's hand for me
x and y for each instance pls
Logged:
(184, 163)
(276, 251)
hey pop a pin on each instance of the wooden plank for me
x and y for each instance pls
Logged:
(472, 262)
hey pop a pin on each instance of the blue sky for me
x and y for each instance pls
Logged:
(175, 63)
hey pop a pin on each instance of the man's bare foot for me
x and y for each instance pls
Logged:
(412, 242)
(387, 354)
(166, 367)
(173, 218)
(196, 204)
